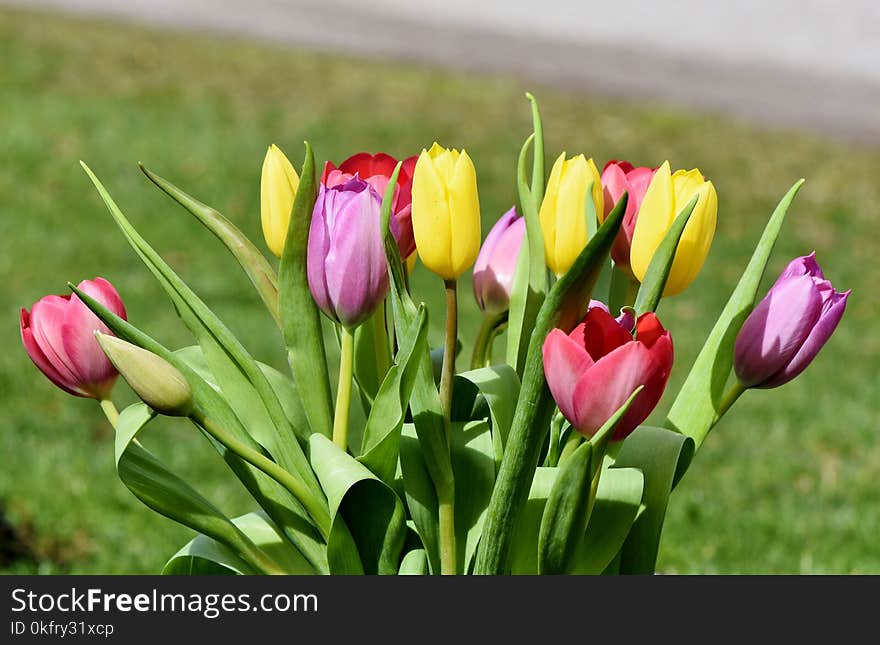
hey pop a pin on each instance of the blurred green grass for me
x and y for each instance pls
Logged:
(786, 484)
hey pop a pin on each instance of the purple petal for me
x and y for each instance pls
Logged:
(318, 248)
(775, 330)
(832, 311)
(804, 265)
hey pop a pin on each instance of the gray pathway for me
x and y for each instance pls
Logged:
(798, 63)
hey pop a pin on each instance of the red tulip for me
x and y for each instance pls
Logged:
(376, 170)
(59, 335)
(594, 370)
(617, 177)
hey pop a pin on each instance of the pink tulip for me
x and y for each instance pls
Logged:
(789, 326)
(593, 370)
(496, 263)
(59, 335)
(619, 177)
(626, 319)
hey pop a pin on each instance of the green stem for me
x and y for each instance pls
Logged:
(446, 493)
(343, 392)
(318, 512)
(489, 329)
(110, 411)
(729, 399)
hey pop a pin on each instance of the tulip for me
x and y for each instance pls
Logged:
(496, 263)
(376, 170)
(626, 319)
(347, 270)
(278, 185)
(667, 194)
(156, 381)
(58, 335)
(593, 370)
(619, 177)
(563, 220)
(446, 211)
(789, 326)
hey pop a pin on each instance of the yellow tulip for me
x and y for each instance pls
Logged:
(446, 211)
(278, 185)
(562, 215)
(667, 194)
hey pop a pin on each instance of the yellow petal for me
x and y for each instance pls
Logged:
(598, 192)
(278, 185)
(571, 224)
(465, 216)
(696, 240)
(655, 216)
(547, 213)
(430, 216)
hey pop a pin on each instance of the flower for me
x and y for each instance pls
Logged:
(376, 170)
(446, 211)
(626, 319)
(58, 335)
(789, 326)
(667, 194)
(156, 381)
(619, 177)
(593, 370)
(278, 185)
(496, 263)
(563, 221)
(347, 270)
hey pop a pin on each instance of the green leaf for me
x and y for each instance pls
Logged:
(564, 307)
(618, 501)
(205, 556)
(661, 262)
(244, 385)
(421, 497)
(566, 512)
(524, 543)
(284, 509)
(382, 433)
(366, 509)
(414, 563)
(498, 387)
(167, 494)
(663, 456)
(254, 263)
(473, 463)
(695, 409)
(300, 319)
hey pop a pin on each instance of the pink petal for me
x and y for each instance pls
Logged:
(565, 362)
(39, 358)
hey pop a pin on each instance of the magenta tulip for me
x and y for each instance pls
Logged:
(626, 319)
(789, 326)
(496, 263)
(347, 269)
(59, 336)
(619, 177)
(593, 370)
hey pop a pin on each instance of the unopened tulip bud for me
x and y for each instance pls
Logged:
(278, 185)
(496, 263)
(156, 381)
(789, 326)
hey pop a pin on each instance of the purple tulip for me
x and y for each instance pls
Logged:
(789, 326)
(347, 269)
(496, 263)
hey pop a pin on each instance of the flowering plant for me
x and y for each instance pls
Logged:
(540, 463)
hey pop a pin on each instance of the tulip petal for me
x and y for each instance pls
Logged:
(429, 217)
(602, 334)
(565, 363)
(696, 239)
(655, 217)
(614, 184)
(367, 165)
(47, 318)
(832, 313)
(465, 231)
(776, 329)
(39, 358)
(318, 248)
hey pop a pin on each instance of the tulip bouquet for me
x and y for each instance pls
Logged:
(534, 459)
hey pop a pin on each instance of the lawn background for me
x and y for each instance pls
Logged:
(788, 482)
